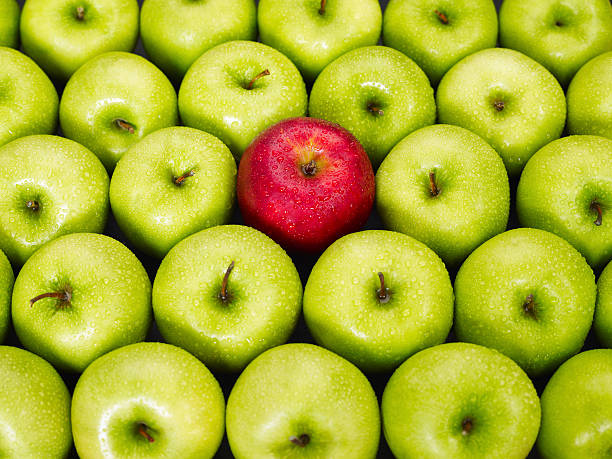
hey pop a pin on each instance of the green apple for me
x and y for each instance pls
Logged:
(566, 188)
(113, 101)
(28, 100)
(237, 89)
(302, 401)
(61, 35)
(460, 400)
(438, 33)
(78, 297)
(446, 187)
(377, 297)
(577, 408)
(378, 94)
(176, 32)
(9, 23)
(602, 322)
(148, 400)
(34, 407)
(560, 34)
(173, 183)
(6, 288)
(49, 186)
(589, 98)
(312, 33)
(508, 99)
(226, 294)
(530, 295)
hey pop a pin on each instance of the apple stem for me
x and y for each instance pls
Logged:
(179, 180)
(64, 297)
(433, 188)
(124, 125)
(300, 441)
(33, 205)
(80, 13)
(310, 168)
(266, 72)
(223, 295)
(142, 430)
(595, 206)
(383, 292)
(443, 18)
(529, 306)
(499, 105)
(466, 425)
(375, 110)
(322, 9)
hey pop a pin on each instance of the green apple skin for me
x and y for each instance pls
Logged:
(312, 40)
(109, 305)
(60, 42)
(433, 395)
(29, 102)
(530, 103)
(602, 323)
(589, 98)
(301, 389)
(65, 182)
(264, 296)
(376, 93)
(577, 408)
(155, 204)
(560, 34)
(34, 407)
(156, 387)
(343, 310)
(9, 23)
(214, 96)
(559, 188)
(7, 278)
(471, 199)
(116, 87)
(415, 28)
(176, 32)
(528, 294)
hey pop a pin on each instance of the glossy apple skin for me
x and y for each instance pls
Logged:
(67, 181)
(298, 389)
(602, 323)
(492, 288)
(34, 407)
(156, 384)
(300, 212)
(380, 77)
(589, 98)
(60, 43)
(115, 86)
(577, 408)
(30, 103)
(473, 200)
(558, 187)
(176, 32)
(344, 314)
(534, 104)
(560, 34)
(9, 23)
(110, 305)
(7, 278)
(265, 296)
(414, 28)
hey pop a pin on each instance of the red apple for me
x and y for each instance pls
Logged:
(305, 182)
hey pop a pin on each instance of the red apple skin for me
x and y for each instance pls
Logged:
(301, 212)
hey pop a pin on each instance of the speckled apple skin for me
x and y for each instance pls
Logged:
(34, 407)
(585, 31)
(343, 312)
(151, 209)
(577, 408)
(110, 307)
(213, 96)
(557, 188)
(429, 396)
(313, 40)
(589, 98)
(114, 86)
(157, 384)
(60, 43)
(473, 203)
(28, 100)
(414, 28)
(534, 103)
(384, 78)
(65, 178)
(9, 23)
(7, 278)
(300, 389)
(494, 282)
(265, 296)
(602, 323)
(176, 32)
(305, 213)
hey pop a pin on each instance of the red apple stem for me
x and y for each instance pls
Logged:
(64, 297)
(467, 425)
(179, 180)
(310, 168)
(124, 125)
(499, 105)
(443, 18)
(383, 292)
(433, 187)
(142, 430)
(80, 13)
(266, 72)
(322, 9)
(597, 208)
(223, 295)
(300, 441)
(33, 205)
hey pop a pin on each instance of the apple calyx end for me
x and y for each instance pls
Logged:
(466, 426)
(178, 181)
(375, 110)
(224, 295)
(596, 207)
(80, 13)
(300, 441)
(64, 297)
(322, 8)
(383, 293)
(499, 105)
(143, 431)
(123, 124)
(442, 17)
(434, 189)
(309, 169)
(529, 306)
(34, 206)
(249, 86)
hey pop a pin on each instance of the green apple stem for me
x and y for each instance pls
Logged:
(300, 441)
(322, 9)
(178, 181)
(223, 294)
(80, 13)
(124, 125)
(466, 426)
(433, 187)
(64, 297)
(143, 430)
(499, 105)
(383, 292)
(310, 168)
(443, 18)
(596, 207)
(33, 205)
(529, 306)
(266, 72)
(375, 110)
